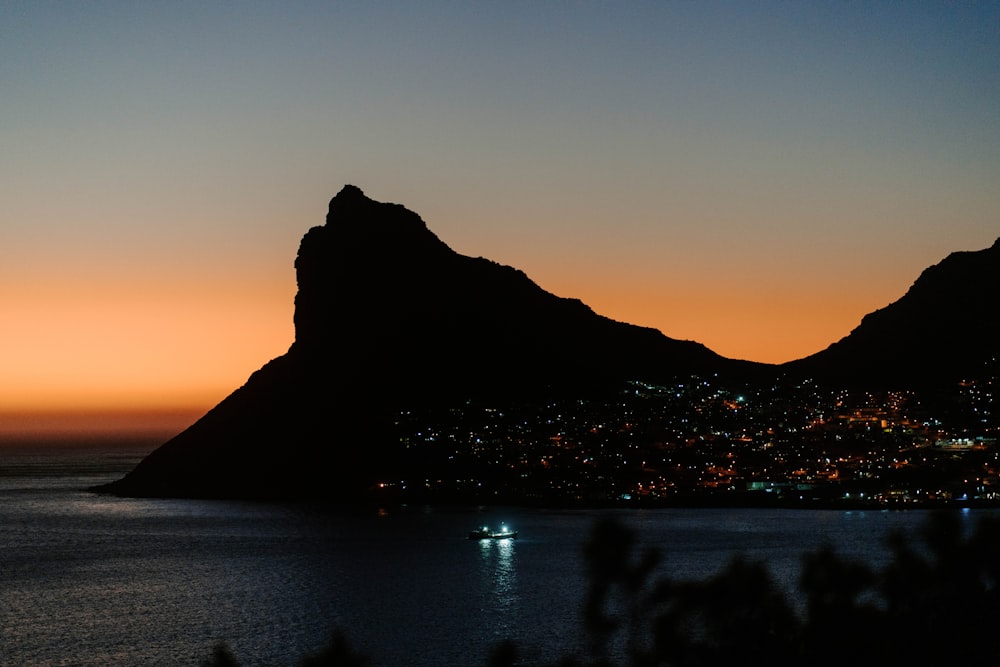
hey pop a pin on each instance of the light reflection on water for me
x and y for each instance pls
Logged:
(500, 576)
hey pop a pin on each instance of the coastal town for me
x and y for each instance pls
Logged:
(697, 442)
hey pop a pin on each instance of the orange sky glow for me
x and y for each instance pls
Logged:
(755, 177)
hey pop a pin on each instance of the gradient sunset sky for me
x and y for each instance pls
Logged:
(754, 176)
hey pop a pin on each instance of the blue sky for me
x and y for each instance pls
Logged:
(754, 176)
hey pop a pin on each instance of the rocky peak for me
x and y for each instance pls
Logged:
(363, 264)
(357, 220)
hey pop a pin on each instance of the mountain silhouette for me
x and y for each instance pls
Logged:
(946, 328)
(388, 317)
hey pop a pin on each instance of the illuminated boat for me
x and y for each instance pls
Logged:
(486, 533)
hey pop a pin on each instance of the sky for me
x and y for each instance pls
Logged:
(752, 176)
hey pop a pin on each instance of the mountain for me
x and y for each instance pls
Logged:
(376, 283)
(388, 317)
(946, 328)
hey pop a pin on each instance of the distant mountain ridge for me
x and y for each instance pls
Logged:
(388, 317)
(944, 329)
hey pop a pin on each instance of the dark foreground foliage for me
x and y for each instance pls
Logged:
(338, 653)
(936, 602)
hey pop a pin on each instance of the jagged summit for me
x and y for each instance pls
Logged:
(358, 271)
(346, 203)
(358, 219)
(351, 206)
(347, 194)
(376, 280)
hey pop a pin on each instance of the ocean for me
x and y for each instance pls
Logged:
(94, 580)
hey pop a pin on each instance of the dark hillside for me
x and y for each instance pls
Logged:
(945, 329)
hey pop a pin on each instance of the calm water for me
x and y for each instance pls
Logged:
(90, 580)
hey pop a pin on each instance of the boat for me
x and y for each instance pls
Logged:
(487, 533)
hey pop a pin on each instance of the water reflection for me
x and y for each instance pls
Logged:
(498, 564)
